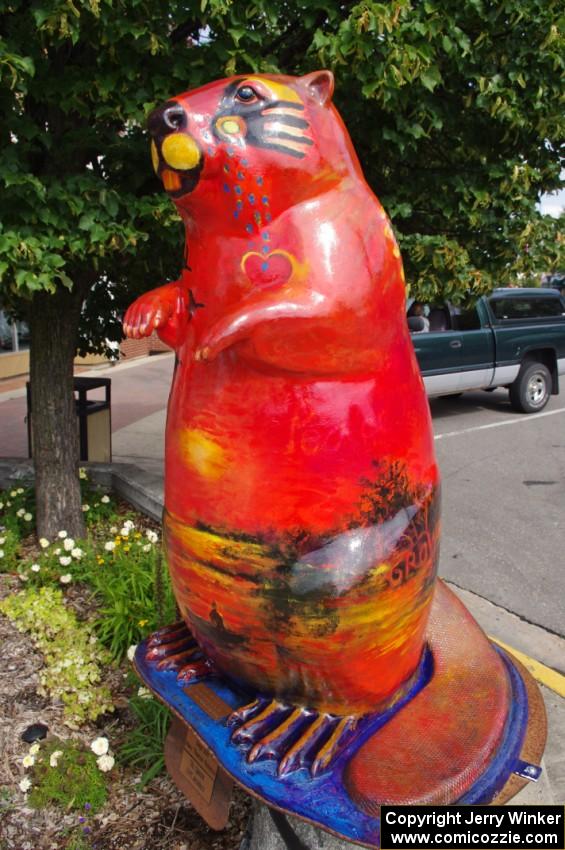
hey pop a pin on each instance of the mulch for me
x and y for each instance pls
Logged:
(157, 818)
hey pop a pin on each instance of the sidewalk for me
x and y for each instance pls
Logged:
(140, 388)
(139, 397)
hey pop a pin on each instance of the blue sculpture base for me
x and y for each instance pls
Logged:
(206, 703)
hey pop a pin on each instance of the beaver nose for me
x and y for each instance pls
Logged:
(167, 119)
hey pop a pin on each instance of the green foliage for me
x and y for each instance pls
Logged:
(73, 665)
(144, 746)
(126, 589)
(118, 561)
(71, 781)
(9, 549)
(78, 197)
(98, 507)
(17, 511)
(455, 109)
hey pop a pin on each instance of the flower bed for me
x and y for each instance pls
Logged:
(81, 763)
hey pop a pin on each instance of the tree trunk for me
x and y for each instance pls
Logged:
(271, 830)
(54, 329)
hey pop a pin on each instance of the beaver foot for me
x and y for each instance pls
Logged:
(174, 648)
(293, 736)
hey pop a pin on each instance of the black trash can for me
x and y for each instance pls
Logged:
(93, 419)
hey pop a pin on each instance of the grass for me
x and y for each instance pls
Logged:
(143, 747)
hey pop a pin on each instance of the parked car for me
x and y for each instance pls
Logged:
(514, 338)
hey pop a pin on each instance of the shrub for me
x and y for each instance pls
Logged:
(17, 511)
(126, 585)
(9, 549)
(73, 659)
(72, 780)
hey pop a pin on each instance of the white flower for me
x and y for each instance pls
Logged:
(113, 530)
(66, 579)
(152, 536)
(21, 512)
(54, 757)
(43, 542)
(28, 517)
(100, 746)
(77, 553)
(19, 491)
(82, 473)
(65, 561)
(1, 505)
(34, 749)
(25, 785)
(2, 541)
(1, 553)
(68, 544)
(85, 508)
(109, 546)
(62, 534)
(147, 547)
(105, 763)
(131, 651)
(105, 499)
(13, 493)
(124, 531)
(28, 761)
(144, 693)
(35, 568)
(129, 524)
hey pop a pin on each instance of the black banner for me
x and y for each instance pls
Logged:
(476, 827)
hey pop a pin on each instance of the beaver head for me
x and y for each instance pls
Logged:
(232, 136)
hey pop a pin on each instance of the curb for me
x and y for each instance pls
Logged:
(141, 489)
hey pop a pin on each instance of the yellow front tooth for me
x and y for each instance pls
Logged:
(180, 151)
(154, 156)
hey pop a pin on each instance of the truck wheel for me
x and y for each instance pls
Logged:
(531, 390)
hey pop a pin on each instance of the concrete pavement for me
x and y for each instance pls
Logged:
(479, 440)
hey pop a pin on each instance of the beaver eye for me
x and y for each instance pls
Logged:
(246, 94)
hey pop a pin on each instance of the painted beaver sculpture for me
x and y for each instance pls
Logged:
(301, 497)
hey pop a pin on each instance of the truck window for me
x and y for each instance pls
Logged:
(526, 308)
(467, 320)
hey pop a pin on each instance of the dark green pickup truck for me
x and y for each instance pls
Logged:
(514, 338)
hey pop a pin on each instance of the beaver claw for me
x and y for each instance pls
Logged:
(174, 648)
(294, 737)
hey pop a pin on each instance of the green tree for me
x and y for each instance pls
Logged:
(455, 107)
(79, 201)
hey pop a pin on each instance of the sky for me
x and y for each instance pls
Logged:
(553, 204)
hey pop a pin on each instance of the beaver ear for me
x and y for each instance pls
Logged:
(320, 86)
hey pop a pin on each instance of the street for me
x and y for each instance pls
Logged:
(503, 503)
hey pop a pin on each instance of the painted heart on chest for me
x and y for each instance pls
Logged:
(267, 270)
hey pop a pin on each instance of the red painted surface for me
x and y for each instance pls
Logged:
(301, 484)
(438, 745)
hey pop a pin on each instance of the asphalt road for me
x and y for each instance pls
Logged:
(504, 503)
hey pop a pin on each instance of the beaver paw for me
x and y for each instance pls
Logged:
(174, 648)
(154, 310)
(292, 736)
